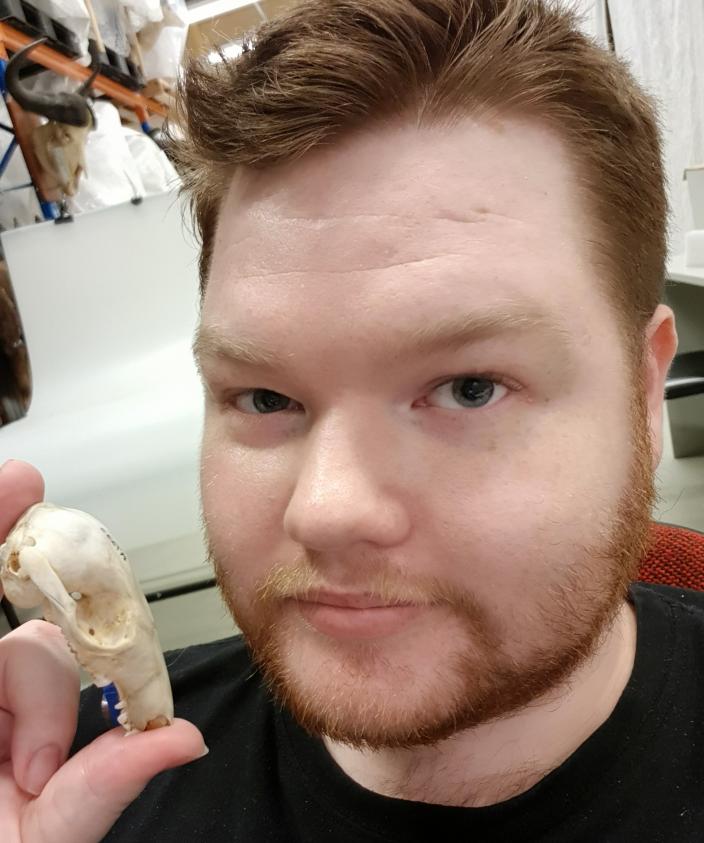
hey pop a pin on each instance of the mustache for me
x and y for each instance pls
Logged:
(390, 586)
(302, 581)
(304, 577)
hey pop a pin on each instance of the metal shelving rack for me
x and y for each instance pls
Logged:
(23, 122)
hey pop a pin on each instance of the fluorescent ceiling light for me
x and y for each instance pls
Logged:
(196, 12)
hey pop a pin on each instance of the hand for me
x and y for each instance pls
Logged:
(43, 797)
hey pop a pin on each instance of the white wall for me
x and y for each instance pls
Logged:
(593, 17)
(663, 40)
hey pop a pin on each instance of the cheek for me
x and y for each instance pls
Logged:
(239, 490)
(514, 517)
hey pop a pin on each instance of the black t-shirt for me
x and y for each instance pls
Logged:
(639, 777)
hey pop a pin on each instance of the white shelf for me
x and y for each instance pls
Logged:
(678, 271)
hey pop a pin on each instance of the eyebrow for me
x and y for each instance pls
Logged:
(450, 333)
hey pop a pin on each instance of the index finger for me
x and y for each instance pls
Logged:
(21, 485)
(39, 689)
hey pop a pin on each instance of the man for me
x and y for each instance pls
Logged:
(434, 355)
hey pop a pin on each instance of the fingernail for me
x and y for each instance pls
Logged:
(5, 464)
(204, 753)
(44, 763)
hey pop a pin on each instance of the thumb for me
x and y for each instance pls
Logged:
(84, 798)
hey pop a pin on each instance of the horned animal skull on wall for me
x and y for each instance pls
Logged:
(59, 144)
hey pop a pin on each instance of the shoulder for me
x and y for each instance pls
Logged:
(655, 597)
(218, 687)
(679, 609)
(227, 660)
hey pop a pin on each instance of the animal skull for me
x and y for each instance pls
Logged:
(59, 144)
(61, 151)
(66, 560)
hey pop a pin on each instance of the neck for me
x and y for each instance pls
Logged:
(504, 758)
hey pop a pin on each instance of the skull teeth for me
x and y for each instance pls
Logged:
(124, 719)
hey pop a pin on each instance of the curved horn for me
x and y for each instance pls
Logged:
(71, 109)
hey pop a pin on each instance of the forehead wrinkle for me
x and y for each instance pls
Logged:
(374, 243)
(320, 223)
(375, 267)
(460, 216)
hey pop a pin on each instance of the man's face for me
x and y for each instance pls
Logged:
(502, 485)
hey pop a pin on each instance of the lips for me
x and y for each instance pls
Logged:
(351, 601)
(355, 616)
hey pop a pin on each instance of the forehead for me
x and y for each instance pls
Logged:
(400, 219)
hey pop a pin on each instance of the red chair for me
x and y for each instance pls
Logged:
(676, 557)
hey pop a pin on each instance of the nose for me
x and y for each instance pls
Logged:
(347, 491)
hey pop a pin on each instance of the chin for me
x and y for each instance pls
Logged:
(402, 690)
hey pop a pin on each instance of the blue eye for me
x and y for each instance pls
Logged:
(473, 391)
(467, 391)
(265, 401)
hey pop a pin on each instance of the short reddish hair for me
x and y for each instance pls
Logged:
(331, 66)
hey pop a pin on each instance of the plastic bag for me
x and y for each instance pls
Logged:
(72, 14)
(157, 172)
(163, 43)
(142, 12)
(111, 23)
(177, 10)
(48, 82)
(111, 176)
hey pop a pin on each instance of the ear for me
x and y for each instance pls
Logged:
(661, 347)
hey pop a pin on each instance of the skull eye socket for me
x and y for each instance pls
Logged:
(106, 618)
(14, 563)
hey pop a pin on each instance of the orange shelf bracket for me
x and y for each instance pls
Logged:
(53, 60)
